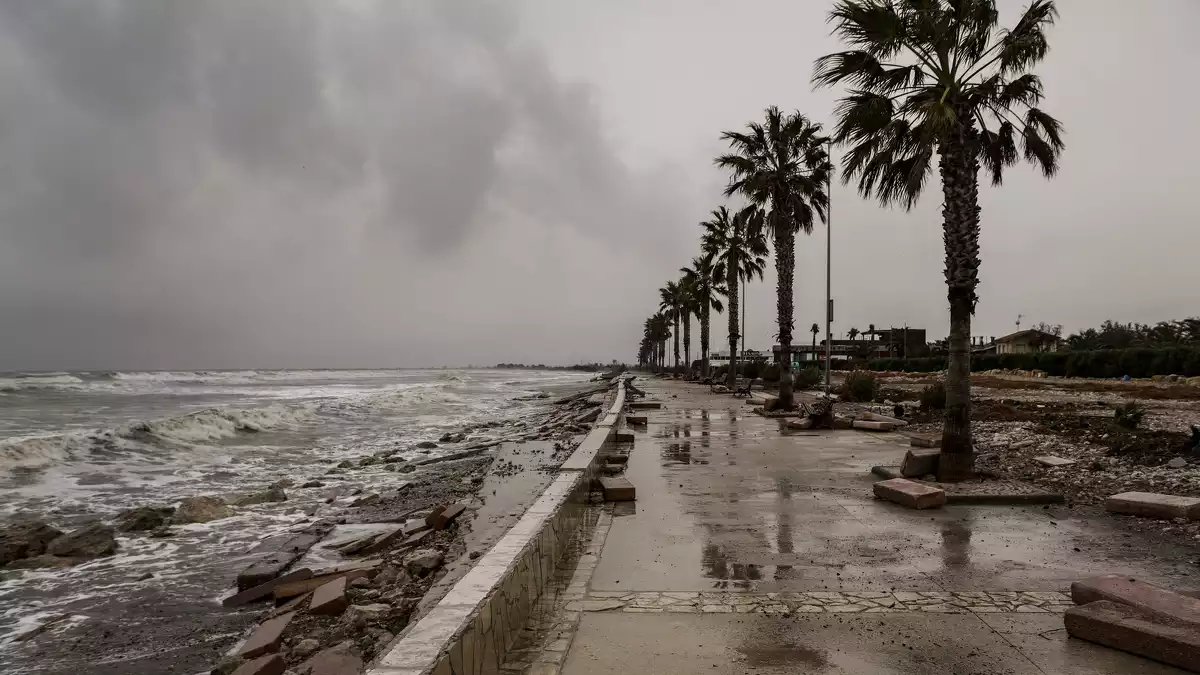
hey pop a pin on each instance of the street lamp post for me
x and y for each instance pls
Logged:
(828, 272)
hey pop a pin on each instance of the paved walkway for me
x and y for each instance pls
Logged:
(756, 549)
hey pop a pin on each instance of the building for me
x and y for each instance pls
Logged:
(717, 359)
(886, 343)
(1027, 342)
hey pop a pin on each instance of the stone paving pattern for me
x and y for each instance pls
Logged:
(870, 602)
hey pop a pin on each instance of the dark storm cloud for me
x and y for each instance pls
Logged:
(221, 182)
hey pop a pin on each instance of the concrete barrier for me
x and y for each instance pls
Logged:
(474, 626)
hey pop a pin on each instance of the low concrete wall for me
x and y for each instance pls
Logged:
(470, 631)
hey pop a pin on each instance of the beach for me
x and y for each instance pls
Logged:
(344, 447)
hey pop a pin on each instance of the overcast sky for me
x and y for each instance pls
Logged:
(306, 183)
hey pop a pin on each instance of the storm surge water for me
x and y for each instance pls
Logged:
(77, 447)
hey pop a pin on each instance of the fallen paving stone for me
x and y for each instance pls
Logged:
(291, 605)
(431, 517)
(799, 424)
(925, 440)
(447, 516)
(908, 493)
(271, 664)
(645, 405)
(871, 425)
(1125, 628)
(616, 459)
(303, 586)
(1145, 597)
(1153, 505)
(267, 638)
(618, 489)
(622, 437)
(920, 462)
(636, 419)
(333, 662)
(587, 417)
(265, 590)
(840, 422)
(330, 598)
(279, 554)
(876, 417)
(1053, 461)
(356, 545)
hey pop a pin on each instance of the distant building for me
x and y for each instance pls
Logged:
(1027, 342)
(885, 343)
(718, 358)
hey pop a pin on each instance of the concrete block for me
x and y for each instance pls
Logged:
(1152, 505)
(908, 493)
(799, 424)
(840, 422)
(1145, 597)
(302, 586)
(333, 662)
(636, 419)
(616, 459)
(617, 489)
(267, 638)
(876, 417)
(330, 598)
(925, 440)
(265, 590)
(920, 462)
(1125, 628)
(871, 425)
(271, 664)
(622, 437)
(431, 518)
(769, 401)
(1053, 461)
(447, 516)
(645, 405)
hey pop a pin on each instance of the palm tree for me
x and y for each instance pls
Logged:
(940, 77)
(671, 304)
(656, 333)
(738, 247)
(815, 329)
(853, 333)
(871, 331)
(688, 306)
(781, 166)
(703, 279)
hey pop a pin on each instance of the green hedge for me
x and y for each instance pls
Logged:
(1140, 362)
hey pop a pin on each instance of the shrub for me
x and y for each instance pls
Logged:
(1134, 362)
(807, 378)
(770, 373)
(1129, 415)
(860, 385)
(721, 373)
(752, 369)
(933, 397)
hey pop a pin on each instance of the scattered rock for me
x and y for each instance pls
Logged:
(422, 562)
(306, 647)
(369, 461)
(1053, 461)
(313, 484)
(367, 500)
(25, 541)
(426, 445)
(226, 665)
(1178, 463)
(89, 541)
(406, 468)
(271, 494)
(201, 510)
(361, 582)
(363, 615)
(334, 661)
(282, 483)
(39, 562)
(144, 518)
(345, 464)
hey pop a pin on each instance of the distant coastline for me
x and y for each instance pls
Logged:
(584, 367)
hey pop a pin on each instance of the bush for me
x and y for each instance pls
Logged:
(721, 373)
(933, 397)
(1129, 415)
(807, 378)
(860, 386)
(1135, 362)
(770, 373)
(752, 369)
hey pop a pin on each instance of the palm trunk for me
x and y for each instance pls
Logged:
(960, 223)
(704, 319)
(687, 342)
(785, 266)
(732, 281)
(676, 336)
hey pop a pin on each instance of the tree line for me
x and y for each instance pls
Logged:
(923, 79)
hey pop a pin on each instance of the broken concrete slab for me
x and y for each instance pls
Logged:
(431, 517)
(618, 489)
(871, 425)
(636, 419)
(1145, 597)
(920, 462)
(622, 437)
(616, 459)
(1053, 461)
(302, 586)
(799, 424)
(279, 553)
(644, 405)
(448, 516)
(1125, 628)
(876, 417)
(925, 440)
(332, 662)
(1153, 505)
(586, 417)
(267, 638)
(909, 493)
(840, 422)
(271, 664)
(263, 591)
(330, 598)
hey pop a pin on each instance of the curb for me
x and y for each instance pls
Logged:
(889, 472)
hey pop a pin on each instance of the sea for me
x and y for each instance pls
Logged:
(81, 446)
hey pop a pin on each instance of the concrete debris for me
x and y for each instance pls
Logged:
(920, 462)
(910, 494)
(1053, 461)
(1152, 505)
(267, 638)
(1126, 628)
(330, 598)
(422, 561)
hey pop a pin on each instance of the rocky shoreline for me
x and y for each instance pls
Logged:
(494, 472)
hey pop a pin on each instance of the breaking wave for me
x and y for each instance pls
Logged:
(39, 381)
(192, 429)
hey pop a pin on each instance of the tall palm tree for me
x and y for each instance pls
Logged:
(853, 333)
(671, 305)
(657, 331)
(871, 331)
(939, 77)
(688, 306)
(815, 329)
(739, 247)
(703, 280)
(781, 166)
